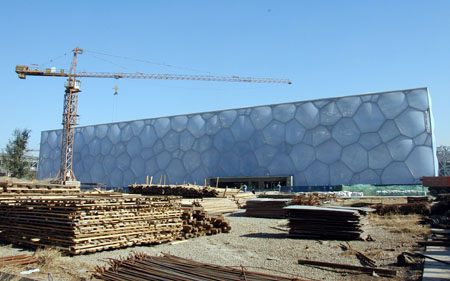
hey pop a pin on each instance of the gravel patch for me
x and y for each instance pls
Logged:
(253, 243)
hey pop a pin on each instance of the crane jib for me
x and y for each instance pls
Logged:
(24, 71)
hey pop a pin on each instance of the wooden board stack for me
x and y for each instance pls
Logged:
(335, 223)
(186, 190)
(213, 206)
(35, 188)
(79, 224)
(197, 222)
(266, 207)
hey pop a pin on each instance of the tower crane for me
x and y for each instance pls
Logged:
(72, 88)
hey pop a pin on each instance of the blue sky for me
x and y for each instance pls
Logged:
(327, 48)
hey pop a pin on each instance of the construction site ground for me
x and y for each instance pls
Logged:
(255, 243)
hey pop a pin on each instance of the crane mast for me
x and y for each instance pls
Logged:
(69, 121)
(72, 88)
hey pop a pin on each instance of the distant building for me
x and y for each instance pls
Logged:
(443, 156)
(32, 162)
(378, 138)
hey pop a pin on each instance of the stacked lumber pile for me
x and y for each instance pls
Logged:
(35, 188)
(242, 198)
(337, 223)
(197, 222)
(213, 206)
(77, 224)
(185, 190)
(266, 208)
(422, 208)
(313, 198)
(277, 195)
(167, 267)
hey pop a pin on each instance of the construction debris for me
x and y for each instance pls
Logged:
(79, 225)
(405, 259)
(168, 267)
(266, 207)
(370, 270)
(365, 260)
(339, 223)
(197, 222)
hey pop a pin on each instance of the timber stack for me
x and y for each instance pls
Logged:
(266, 208)
(197, 222)
(35, 188)
(82, 224)
(313, 198)
(213, 206)
(335, 223)
(185, 190)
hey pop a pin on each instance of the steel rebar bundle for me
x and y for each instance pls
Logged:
(167, 267)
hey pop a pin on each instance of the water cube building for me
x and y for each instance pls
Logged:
(378, 138)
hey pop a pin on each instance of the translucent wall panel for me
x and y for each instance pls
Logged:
(381, 138)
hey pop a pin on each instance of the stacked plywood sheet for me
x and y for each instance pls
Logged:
(186, 190)
(213, 206)
(34, 188)
(80, 224)
(266, 207)
(337, 223)
(197, 222)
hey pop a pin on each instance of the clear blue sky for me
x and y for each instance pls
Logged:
(327, 48)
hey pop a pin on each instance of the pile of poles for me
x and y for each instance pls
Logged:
(80, 224)
(168, 267)
(197, 222)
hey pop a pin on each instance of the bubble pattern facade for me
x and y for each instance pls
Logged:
(381, 138)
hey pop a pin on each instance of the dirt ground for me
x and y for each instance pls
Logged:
(254, 243)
